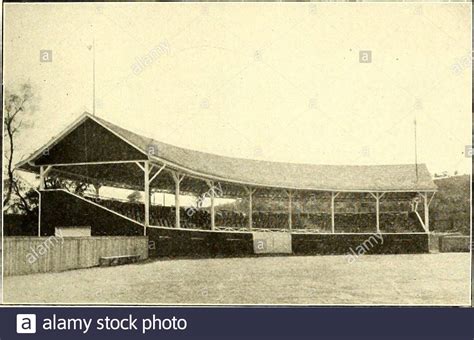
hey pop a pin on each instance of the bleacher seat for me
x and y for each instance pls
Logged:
(264, 220)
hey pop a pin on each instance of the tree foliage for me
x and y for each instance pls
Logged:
(75, 186)
(17, 117)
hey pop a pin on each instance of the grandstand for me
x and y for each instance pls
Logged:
(341, 202)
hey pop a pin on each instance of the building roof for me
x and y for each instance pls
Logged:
(350, 178)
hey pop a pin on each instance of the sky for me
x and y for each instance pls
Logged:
(271, 81)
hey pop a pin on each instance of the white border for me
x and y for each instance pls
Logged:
(80, 305)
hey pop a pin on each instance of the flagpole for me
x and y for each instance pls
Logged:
(93, 76)
(416, 151)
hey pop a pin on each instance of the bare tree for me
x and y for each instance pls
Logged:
(19, 109)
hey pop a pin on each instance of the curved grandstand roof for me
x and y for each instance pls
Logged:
(352, 178)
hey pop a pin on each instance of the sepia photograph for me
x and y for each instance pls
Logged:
(211, 154)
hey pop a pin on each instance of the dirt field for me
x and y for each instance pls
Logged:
(371, 279)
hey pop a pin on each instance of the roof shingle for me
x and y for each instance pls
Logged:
(400, 177)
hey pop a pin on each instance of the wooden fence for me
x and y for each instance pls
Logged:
(454, 244)
(29, 255)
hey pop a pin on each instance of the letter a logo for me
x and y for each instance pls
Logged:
(26, 323)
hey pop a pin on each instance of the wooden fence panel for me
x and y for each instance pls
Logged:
(454, 244)
(29, 255)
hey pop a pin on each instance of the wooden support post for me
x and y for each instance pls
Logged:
(427, 212)
(41, 186)
(290, 221)
(177, 180)
(140, 166)
(39, 214)
(212, 196)
(377, 212)
(250, 210)
(432, 196)
(157, 173)
(415, 210)
(377, 197)
(146, 172)
(333, 224)
(250, 193)
(43, 174)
